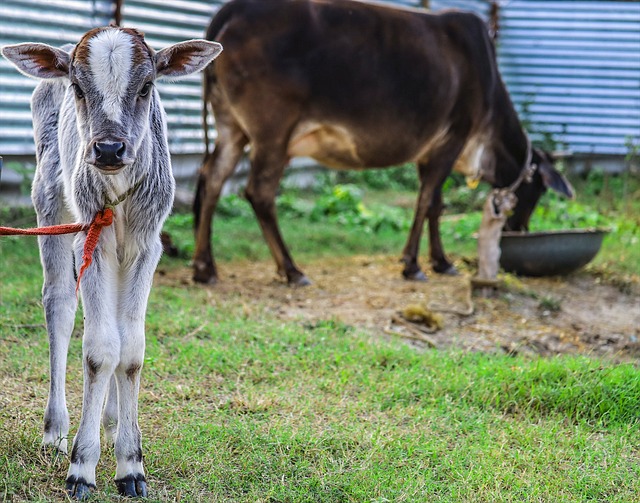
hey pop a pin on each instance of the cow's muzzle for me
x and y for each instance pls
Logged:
(109, 156)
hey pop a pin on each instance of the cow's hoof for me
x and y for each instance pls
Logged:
(204, 274)
(415, 276)
(132, 486)
(78, 488)
(446, 269)
(299, 281)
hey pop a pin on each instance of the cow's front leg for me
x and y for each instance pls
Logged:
(101, 354)
(137, 280)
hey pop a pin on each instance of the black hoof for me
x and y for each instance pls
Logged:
(449, 271)
(203, 273)
(301, 280)
(79, 489)
(415, 276)
(132, 486)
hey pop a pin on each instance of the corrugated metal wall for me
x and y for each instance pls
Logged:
(54, 22)
(165, 23)
(57, 22)
(573, 67)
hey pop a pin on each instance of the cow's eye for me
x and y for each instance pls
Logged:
(78, 91)
(145, 89)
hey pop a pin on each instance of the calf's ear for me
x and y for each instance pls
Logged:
(38, 60)
(186, 58)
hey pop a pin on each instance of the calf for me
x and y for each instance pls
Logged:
(356, 85)
(100, 133)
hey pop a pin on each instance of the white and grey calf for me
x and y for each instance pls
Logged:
(100, 130)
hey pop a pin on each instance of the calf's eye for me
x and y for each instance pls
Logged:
(145, 89)
(78, 91)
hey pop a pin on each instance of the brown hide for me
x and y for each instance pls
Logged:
(354, 85)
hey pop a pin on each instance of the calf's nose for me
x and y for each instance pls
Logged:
(109, 154)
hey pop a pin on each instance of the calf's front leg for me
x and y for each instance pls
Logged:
(59, 301)
(137, 280)
(100, 356)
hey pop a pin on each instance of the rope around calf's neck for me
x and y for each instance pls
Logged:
(104, 218)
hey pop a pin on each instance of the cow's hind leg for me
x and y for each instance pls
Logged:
(432, 175)
(130, 476)
(267, 168)
(439, 261)
(216, 169)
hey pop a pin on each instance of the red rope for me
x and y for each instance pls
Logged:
(51, 230)
(103, 218)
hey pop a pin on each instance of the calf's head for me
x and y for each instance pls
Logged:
(111, 73)
(544, 177)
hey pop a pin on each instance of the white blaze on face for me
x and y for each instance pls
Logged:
(110, 57)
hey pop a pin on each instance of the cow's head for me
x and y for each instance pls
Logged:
(111, 73)
(544, 177)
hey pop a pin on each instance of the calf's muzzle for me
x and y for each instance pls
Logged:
(109, 154)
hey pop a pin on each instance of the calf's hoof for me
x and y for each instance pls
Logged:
(132, 486)
(78, 488)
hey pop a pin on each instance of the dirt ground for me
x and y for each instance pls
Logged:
(544, 316)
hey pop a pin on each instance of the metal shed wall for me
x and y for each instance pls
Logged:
(54, 22)
(165, 23)
(573, 67)
(573, 70)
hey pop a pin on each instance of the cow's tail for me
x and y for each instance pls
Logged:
(206, 89)
(209, 76)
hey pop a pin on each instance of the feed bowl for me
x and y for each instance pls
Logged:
(549, 253)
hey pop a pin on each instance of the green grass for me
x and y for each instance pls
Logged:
(340, 222)
(238, 406)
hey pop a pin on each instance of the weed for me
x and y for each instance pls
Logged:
(550, 304)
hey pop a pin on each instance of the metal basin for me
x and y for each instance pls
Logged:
(549, 253)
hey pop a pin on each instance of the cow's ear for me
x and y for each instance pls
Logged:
(553, 179)
(186, 58)
(38, 60)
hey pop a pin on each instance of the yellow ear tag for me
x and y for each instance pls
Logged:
(472, 182)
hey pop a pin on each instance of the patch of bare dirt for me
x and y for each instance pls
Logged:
(545, 316)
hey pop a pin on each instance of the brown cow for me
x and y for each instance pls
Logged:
(356, 85)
